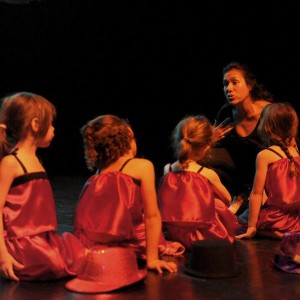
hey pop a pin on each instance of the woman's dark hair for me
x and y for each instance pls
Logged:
(259, 91)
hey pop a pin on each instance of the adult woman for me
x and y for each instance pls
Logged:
(233, 157)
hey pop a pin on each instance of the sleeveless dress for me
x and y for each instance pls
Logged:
(111, 203)
(282, 191)
(190, 211)
(29, 222)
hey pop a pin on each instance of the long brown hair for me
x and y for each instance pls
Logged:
(258, 91)
(279, 126)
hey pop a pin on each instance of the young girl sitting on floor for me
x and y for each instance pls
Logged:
(192, 199)
(30, 249)
(118, 204)
(277, 173)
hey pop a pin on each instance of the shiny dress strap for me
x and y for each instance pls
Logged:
(274, 151)
(19, 161)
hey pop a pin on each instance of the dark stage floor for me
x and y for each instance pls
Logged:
(257, 280)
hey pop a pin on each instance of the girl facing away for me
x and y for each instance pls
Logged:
(30, 249)
(192, 199)
(118, 204)
(277, 173)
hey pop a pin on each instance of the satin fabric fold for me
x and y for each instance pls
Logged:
(281, 210)
(111, 204)
(29, 218)
(191, 209)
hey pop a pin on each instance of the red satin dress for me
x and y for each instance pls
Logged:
(111, 203)
(283, 191)
(190, 210)
(29, 222)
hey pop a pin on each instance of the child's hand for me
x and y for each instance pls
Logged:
(7, 266)
(160, 265)
(251, 231)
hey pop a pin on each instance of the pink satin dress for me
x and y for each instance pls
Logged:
(281, 211)
(190, 210)
(29, 222)
(111, 204)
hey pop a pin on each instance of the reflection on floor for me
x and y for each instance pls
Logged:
(258, 279)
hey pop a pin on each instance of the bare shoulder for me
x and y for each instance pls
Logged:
(143, 163)
(209, 173)
(262, 103)
(267, 156)
(9, 167)
(9, 161)
(263, 154)
(140, 168)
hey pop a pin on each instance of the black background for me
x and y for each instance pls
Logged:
(151, 62)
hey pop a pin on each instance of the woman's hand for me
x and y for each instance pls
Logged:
(221, 130)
